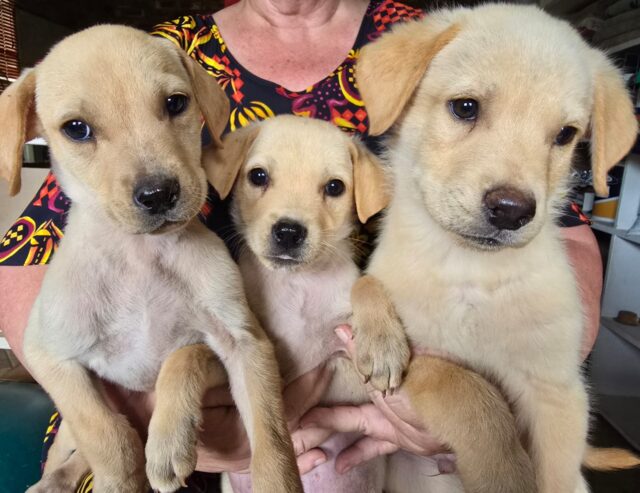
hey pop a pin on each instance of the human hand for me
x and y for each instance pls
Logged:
(224, 445)
(388, 425)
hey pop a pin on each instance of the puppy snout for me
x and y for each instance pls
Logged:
(509, 208)
(156, 194)
(288, 235)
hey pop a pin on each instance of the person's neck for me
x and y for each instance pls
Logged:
(293, 13)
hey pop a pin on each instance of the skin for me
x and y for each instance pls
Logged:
(296, 26)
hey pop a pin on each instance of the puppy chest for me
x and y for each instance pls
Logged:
(301, 322)
(137, 324)
(488, 328)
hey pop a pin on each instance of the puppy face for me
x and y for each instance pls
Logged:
(504, 97)
(296, 187)
(121, 113)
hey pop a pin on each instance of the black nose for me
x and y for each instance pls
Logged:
(156, 195)
(288, 234)
(508, 208)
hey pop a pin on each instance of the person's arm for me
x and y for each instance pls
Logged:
(584, 255)
(19, 287)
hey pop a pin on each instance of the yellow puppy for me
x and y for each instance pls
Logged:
(488, 105)
(137, 275)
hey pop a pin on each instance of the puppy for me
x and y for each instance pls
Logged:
(487, 106)
(137, 276)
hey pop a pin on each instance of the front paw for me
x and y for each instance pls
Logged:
(171, 454)
(381, 349)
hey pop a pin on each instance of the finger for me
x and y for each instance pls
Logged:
(305, 392)
(365, 449)
(310, 460)
(365, 419)
(345, 334)
(306, 439)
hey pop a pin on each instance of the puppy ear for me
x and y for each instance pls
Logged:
(370, 186)
(211, 99)
(614, 127)
(17, 113)
(389, 69)
(223, 164)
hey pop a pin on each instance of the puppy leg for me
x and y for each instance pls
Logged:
(111, 447)
(382, 348)
(467, 413)
(65, 465)
(65, 478)
(171, 445)
(557, 420)
(256, 389)
(63, 446)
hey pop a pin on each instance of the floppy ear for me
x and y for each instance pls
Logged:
(212, 100)
(370, 187)
(16, 111)
(389, 69)
(223, 164)
(614, 127)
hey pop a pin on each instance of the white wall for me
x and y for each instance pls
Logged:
(12, 207)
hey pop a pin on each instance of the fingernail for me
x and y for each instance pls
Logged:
(319, 461)
(342, 335)
(344, 469)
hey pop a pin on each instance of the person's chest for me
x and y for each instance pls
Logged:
(295, 63)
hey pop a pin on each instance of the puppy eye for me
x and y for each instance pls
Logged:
(334, 188)
(565, 135)
(258, 177)
(77, 130)
(176, 104)
(464, 109)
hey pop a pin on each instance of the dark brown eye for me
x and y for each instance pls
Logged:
(464, 109)
(176, 104)
(334, 188)
(565, 135)
(77, 130)
(258, 177)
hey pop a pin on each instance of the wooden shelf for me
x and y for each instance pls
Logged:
(610, 228)
(605, 227)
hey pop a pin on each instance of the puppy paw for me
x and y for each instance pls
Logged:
(382, 349)
(171, 454)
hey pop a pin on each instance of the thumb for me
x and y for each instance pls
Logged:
(345, 334)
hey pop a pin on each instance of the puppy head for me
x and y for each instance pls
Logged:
(120, 111)
(297, 182)
(489, 105)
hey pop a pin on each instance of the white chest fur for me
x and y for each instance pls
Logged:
(113, 302)
(300, 310)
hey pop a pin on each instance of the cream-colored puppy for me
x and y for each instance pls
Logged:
(488, 105)
(136, 276)
(299, 183)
